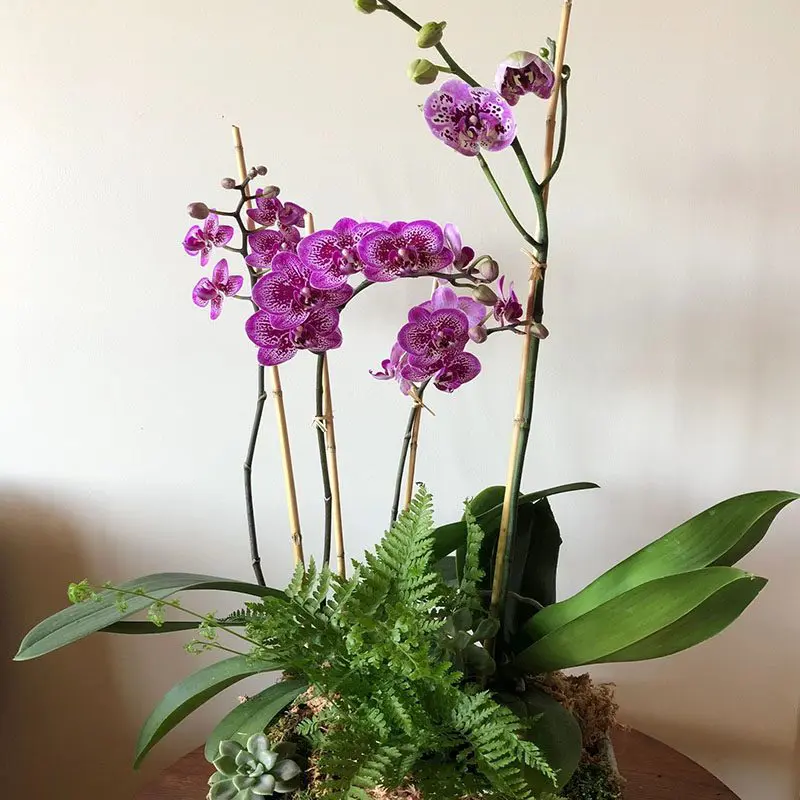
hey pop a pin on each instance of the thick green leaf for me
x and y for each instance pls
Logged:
(83, 619)
(554, 730)
(188, 695)
(448, 538)
(143, 628)
(655, 619)
(719, 536)
(253, 715)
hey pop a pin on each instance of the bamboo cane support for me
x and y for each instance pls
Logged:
(330, 447)
(521, 419)
(277, 394)
(412, 455)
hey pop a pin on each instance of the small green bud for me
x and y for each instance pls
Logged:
(430, 34)
(228, 183)
(422, 71)
(366, 6)
(488, 269)
(478, 334)
(270, 192)
(544, 53)
(483, 294)
(198, 210)
(539, 331)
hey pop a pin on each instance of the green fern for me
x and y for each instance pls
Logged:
(375, 648)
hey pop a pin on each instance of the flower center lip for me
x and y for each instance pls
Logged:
(405, 256)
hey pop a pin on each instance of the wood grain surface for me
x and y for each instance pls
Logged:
(653, 772)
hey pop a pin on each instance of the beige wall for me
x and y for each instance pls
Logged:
(670, 378)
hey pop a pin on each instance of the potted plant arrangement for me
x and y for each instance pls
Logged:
(431, 667)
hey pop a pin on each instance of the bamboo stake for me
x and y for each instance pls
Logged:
(330, 446)
(412, 455)
(277, 394)
(521, 418)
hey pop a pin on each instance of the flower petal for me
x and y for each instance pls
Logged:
(232, 285)
(423, 235)
(457, 371)
(216, 306)
(203, 292)
(220, 272)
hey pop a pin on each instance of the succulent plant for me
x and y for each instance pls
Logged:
(460, 639)
(254, 771)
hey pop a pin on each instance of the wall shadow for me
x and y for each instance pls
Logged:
(63, 717)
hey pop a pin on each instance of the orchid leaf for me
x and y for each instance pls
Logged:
(82, 619)
(448, 538)
(188, 695)
(654, 619)
(253, 715)
(719, 536)
(144, 628)
(554, 730)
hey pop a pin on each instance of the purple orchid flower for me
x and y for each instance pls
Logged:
(204, 240)
(333, 254)
(430, 336)
(393, 369)
(318, 333)
(270, 211)
(445, 297)
(522, 73)
(457, 370)
(470, 118)
(286, 294)
(265, 245)
(507, 310)
(214, 290)
(404, 250)
(462, 256)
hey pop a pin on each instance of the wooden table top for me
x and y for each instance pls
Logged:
(653, 772)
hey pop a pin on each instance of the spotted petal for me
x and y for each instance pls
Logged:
(428, 340)
(219, 274)
(203, 292)
(266, 210)
(458, 370)
(232, 285)
(264, 246)
(423, 235)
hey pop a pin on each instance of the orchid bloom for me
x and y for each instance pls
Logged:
(462, 256)
(333, 254)
(287, 295)
(507, 310)
(215, 289)
(470, 118)
(522, 73)
(318, 333)
(404, 250)
(203, 240)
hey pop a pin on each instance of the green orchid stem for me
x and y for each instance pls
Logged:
(506, 206)
(562, 132)
(172, 604)
(455, 69)
(401, 467)
(327, 495)
(215, 646)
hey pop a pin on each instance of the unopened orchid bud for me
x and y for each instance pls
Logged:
(539, 331)
(261, 170)
(544, 53)
(269, 192)
(430, 34)
(422, 71)
(252, 172)
(488, 269)
(198, 210)
(483, 294)
(228, 183)
(478, 334)
(366, 6)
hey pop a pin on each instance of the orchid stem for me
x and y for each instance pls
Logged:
(504, 202)
(261, 396)
(401, 467)
(319, 423)
(562, 133)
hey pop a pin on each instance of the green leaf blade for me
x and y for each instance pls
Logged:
(79, 621)
(188, 695)
(657, 618)
(719, 536)
(254, 715)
